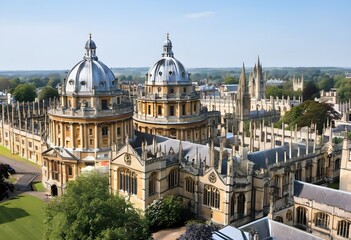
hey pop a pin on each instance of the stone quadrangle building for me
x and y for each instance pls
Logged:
(168, 143)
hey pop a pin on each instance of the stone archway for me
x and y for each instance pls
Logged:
(53, 190)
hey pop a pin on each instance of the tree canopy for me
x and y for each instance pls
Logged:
(310, 112)
(88, 211)
(4, 186)
(197, 231)
(47, 93)
(165, 212)
(24, 92)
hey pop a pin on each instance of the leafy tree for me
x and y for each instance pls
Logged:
(14, 82)
(197, 231)
(4, 83)
(310, 91)
(230, 80)
(310, 112)
(48, 93)
(24, 92)
(326, 83)
(88, 211)
(53, 82)
(4, 186)
(165, 212)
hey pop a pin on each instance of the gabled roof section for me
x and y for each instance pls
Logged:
(59, 153)
(323, 195)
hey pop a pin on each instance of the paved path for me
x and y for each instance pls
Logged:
(169, 234)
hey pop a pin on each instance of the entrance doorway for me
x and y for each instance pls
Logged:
(54, 190)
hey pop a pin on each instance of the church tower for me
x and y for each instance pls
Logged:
(243, 98)
(169, 105)
(257, 84)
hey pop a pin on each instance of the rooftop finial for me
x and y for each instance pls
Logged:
(167, 48)
(90, 36)
(167, 36)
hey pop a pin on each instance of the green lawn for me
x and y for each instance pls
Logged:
(22, 218)
(6, 153)
(38, 187)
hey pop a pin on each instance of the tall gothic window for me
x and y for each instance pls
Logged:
(301, 216)
(241, 204)
(289, 216)
(320, 169)
(343, 229)
(266, 200)
(211, 196)
(298, 172)
(322, 220)
(278, 219)
(152, 184)
(128, 181)
(337, 164)
(189, 185)
(173, 178)
(232, 205)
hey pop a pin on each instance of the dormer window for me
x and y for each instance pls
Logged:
(160, 73)
(102, 83)
(113, 83)
(82, 83)
(170, 73)
(71, 82)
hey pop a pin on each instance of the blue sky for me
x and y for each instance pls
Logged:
(205, 33)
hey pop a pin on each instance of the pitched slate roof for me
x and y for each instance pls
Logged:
(323, 195)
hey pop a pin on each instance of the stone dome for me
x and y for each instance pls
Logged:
(168, 70)
(90, 74)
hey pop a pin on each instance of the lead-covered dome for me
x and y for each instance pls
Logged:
(90, 74)
(168, 70)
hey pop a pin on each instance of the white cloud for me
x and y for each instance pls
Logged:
(200, 14)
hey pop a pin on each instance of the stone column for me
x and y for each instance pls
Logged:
(96, 136)
(72, 134)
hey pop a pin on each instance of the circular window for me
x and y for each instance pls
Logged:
(170, 72)
(102, 83)
(113, 83)
(160, 73)
(82, 83)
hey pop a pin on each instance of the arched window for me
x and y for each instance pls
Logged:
(232, 205)
(149, 109)
(152, 184)
(320, 169)
(298, 172)
(301, 216)
(211, 196)
(289, 216)
(189, 185)
(159, 110)
(128, 181)
(322, 220)
(266, 201)
(241, 204)
(173, 178)
(337, 164)
(343, 229)
(278, 219)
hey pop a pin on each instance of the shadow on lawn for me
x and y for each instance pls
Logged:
(11, 214)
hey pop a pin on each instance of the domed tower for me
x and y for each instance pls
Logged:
(169, 105)
(92, 115)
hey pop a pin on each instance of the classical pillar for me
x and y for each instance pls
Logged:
(81, 135)
(71, 134)
(96, 136)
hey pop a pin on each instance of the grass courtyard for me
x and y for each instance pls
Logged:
(22, 218)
